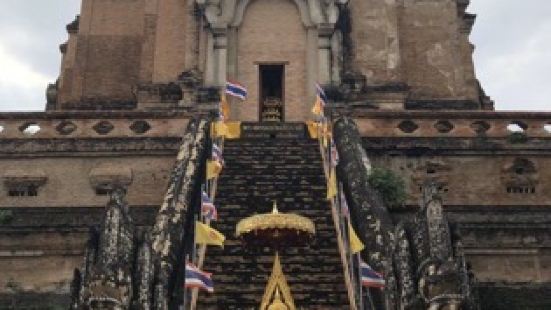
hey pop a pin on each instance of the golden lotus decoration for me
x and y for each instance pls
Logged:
(275, 229)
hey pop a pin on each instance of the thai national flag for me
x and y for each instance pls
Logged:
(334, 154)
(344, 206)
(217, 154)
(321, 95)
(371, 278)
(237, 90)
(208, 209)
(198, 278)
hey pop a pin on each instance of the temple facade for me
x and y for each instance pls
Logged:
(100, 194)
(408, 54)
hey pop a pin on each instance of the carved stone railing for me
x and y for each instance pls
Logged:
(59, 125)
(456, 124)
(421, 268)
(130, 268)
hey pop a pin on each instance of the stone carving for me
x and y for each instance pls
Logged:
(51, 96)
(520, 176)
(73, 27)
(168, 231)
(422, 268)
(107, 282)
(127, 268)
(371, 219)
(442, 274)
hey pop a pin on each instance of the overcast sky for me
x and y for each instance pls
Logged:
(512, 55)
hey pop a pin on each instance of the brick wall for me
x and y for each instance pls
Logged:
(416, 42)
(69, 182)
(273, 32)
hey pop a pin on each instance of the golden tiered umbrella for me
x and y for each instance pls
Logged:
(276, 230)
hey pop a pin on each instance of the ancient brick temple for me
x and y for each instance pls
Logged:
(99, 193)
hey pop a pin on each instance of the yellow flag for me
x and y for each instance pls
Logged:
(317, 108)
(233, 130)
(224, 106)
(213, 169)
(324, 141)
(313, 128)
(205, 234)
(332, 185)
(218, 129)
(356, 244)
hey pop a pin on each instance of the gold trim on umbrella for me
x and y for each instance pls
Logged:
(275, 220)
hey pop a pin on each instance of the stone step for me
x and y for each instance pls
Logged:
(257, 172)
(273, 130)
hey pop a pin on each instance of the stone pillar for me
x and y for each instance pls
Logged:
(232, 38)
(220, 55)
(217, 54)
(325, 32)
(311, 61)
(336, 57)
(210, 61)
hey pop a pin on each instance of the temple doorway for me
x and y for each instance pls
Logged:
(271, 78)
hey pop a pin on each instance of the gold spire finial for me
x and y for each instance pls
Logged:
(277, 304)
(276, 283)
(274, 209)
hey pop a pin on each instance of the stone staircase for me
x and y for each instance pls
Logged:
(259, 171)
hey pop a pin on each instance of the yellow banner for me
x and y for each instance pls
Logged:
(213, 169)
(233, 130)
(228, 130)
(356, 244)
(224, 106)
(313, 129)
(332, 185)
(205, 234)
(317, 109)
(218, 129)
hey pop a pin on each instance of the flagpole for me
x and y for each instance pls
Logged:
(368, 291)
(211, 190)
(359, 272)
(326, 162)
(370, 300)
(184, 295)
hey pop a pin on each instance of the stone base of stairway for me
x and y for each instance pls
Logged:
(272, 130)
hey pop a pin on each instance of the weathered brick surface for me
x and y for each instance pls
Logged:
(258, 172)
(266, 37)
(436, 56)
(53, 240)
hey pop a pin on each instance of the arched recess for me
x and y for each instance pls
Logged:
(243, 4)
(267, 38)
(317, 18)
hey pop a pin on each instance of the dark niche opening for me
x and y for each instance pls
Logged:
(271, 92)
(23, 190)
